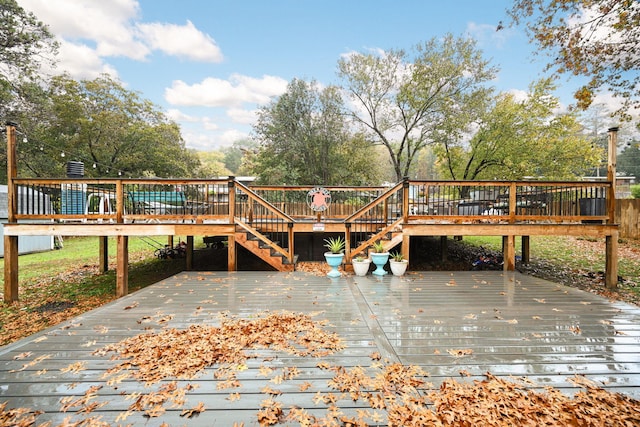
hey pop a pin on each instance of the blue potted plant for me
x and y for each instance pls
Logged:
(379, 257)
(335, 255)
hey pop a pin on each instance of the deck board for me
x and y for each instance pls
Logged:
(512, 325)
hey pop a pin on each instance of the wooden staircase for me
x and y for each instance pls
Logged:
(263, 251)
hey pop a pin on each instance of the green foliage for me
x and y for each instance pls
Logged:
(335, 244)
(378, 247)
(304, 139)
(403, 102)
(101, 123)
(212, 164)
(516, 139)
(597, 39)
(628, 161)
(25, 42)
(635, 191)
(396, 256)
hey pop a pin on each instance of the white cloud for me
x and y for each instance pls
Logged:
(488, 35)
(178, 116)
(239, 115)
(208, 141)
(92, 31)
(209, 125)
(184, 41)
(81, 62)
(519, 95)
(105, 26)
(230, 136)
(235, 91)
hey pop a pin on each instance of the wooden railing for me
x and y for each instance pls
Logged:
(262, 219)
(201, 201)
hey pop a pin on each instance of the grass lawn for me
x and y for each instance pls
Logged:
(579, 254)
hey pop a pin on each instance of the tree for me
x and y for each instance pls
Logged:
(303, 139)
(597, 39)
(24, 43)
(234, 155)
(112, 130)
(516, 139)
(212, 164)
(628, 161)
(401, 102)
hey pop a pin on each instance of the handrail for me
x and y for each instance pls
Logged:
(274, 221)
(390, 192)
(356, 229)
(264, 203)
(263, 238)
(210, 200)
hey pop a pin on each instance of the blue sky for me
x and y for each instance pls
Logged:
(210, 63)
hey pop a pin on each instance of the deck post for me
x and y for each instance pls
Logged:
(11, 242)
(10, 268)
(103, 256)
(405, 246)
(509, 242)
(232, 262)
(526, 251)
(509, 252)
(611, 262)
(189, 253)
(122, 270)
(444, 248)
(231, 253)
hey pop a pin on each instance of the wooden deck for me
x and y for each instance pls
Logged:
(448, 323)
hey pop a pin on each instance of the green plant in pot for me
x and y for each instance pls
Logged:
(379, 257)
(397, 263)
(335, 255)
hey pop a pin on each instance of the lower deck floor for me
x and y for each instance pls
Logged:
(453, 325)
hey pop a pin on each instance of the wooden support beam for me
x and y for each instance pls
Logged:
(526, 251)
(611, 251)
(509, 252)
(405, 247)
(11, 242)
(444, 248)
(231, 254)
(122, 269)
(10, 269)
(611, 262)
(189, 266)
(103, 254)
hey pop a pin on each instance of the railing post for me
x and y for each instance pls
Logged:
(291, 240)
(508, 242)
(119, 201)
(11, 242)
(611, 262)
(513, 202)
(405, 199)
(611, 174)
(347, 242)
(232, 199)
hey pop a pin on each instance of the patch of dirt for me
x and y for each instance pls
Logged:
(54, 306)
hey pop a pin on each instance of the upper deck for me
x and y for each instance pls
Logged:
(266, 219)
